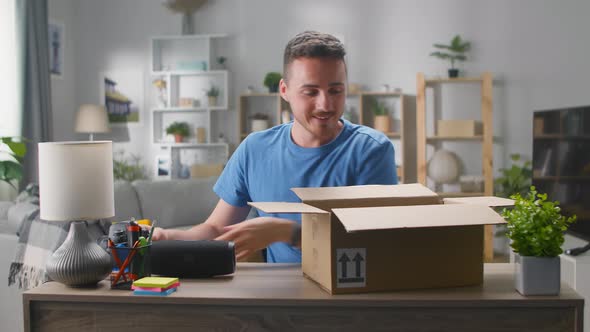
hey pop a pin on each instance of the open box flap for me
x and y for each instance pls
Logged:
(414, 216)
(363, 192)
(491, 201)
(285, 207)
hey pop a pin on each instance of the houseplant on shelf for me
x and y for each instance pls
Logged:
(213, 93)
(382, 120)
(455, 52)
(271, 81)
(179, 130)
(535, 228)
(259, 121)
(11, 169)
(516, 179)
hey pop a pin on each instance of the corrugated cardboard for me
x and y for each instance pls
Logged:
(459, 128)
(377, 238)
(205, 170)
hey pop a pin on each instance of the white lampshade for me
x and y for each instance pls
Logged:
(76, 180)
(92, 119)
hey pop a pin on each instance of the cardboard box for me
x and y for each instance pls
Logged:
(459, 128)
(205, 170)
(379, 238)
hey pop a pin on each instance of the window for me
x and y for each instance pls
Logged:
(10, 81)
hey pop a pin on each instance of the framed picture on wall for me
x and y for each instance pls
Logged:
(121, 92)
(56, 42)
(163, 167)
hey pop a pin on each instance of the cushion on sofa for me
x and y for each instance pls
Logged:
(126, 202)
(176, 203)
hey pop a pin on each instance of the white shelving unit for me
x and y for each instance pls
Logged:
(188, 66)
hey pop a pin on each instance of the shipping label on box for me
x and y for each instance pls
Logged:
(351, 268)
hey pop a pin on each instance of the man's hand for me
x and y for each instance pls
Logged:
(255, 234)
(160, 234)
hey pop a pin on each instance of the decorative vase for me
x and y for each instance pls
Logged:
(79, 261)
(537, 275)
(443, 167)
(187, 23)
(453, 73)
(178, 138)
(383, 123)
(212, 100)
(259, 124)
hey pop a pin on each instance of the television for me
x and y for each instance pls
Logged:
(561, 162)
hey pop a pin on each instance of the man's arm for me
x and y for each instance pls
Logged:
(223, 215)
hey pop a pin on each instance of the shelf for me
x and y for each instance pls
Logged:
(430, 139)
(189, 37)
(188, 72)
(260, 94)
(562, 137)
(182, 109)
(453, 80)
(190, 145)
(377, 93)
(393, 135)
(459, 194)
(562, 178)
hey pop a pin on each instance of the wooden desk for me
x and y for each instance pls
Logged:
(276, 297)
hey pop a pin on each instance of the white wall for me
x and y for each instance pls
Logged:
(537, 51)
(63, 89)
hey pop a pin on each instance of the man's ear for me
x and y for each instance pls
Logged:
(283, 89)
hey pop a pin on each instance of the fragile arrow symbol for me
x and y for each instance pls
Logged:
(344, 260)
(358, 259)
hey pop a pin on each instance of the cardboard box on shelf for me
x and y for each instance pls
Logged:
(459, 128)
(205, 170)
(378, 238)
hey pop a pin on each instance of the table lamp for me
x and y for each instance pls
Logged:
(92, 119)
(76, 185)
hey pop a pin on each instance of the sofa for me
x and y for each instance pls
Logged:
(173, 203)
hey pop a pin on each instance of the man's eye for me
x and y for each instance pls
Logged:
(336, 91)
(310, 92)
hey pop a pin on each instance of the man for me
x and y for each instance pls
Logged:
(316, 149)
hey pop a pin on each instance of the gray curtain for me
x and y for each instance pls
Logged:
(32, 30)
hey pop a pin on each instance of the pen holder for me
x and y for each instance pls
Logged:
(130, 264)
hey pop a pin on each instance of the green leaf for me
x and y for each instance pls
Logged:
(19, 149)
(10, 171)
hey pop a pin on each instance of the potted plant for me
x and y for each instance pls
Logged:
(271, 81)
(516, 179)
(179, 130)
(213, 93)
(259, 121)
(535, 228)
(11, 169)
(382, 120)
(456, 51)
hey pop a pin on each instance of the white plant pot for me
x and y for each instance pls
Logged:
(258, 125)
(537, 275)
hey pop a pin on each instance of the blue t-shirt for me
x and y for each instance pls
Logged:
(267, 164)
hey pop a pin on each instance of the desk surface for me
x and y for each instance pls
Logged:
(284, 283)
(276, 297)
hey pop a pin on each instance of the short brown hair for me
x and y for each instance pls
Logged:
(312, 44)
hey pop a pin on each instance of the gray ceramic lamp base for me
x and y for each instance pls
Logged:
(79, 261)
(537, 275)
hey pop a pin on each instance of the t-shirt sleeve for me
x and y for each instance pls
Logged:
(378, 164)
(232, 183)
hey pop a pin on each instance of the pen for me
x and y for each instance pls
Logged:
(149, 239)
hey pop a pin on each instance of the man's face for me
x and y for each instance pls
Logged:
(316, 90)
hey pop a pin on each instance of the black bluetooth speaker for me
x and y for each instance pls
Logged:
(192, 259)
